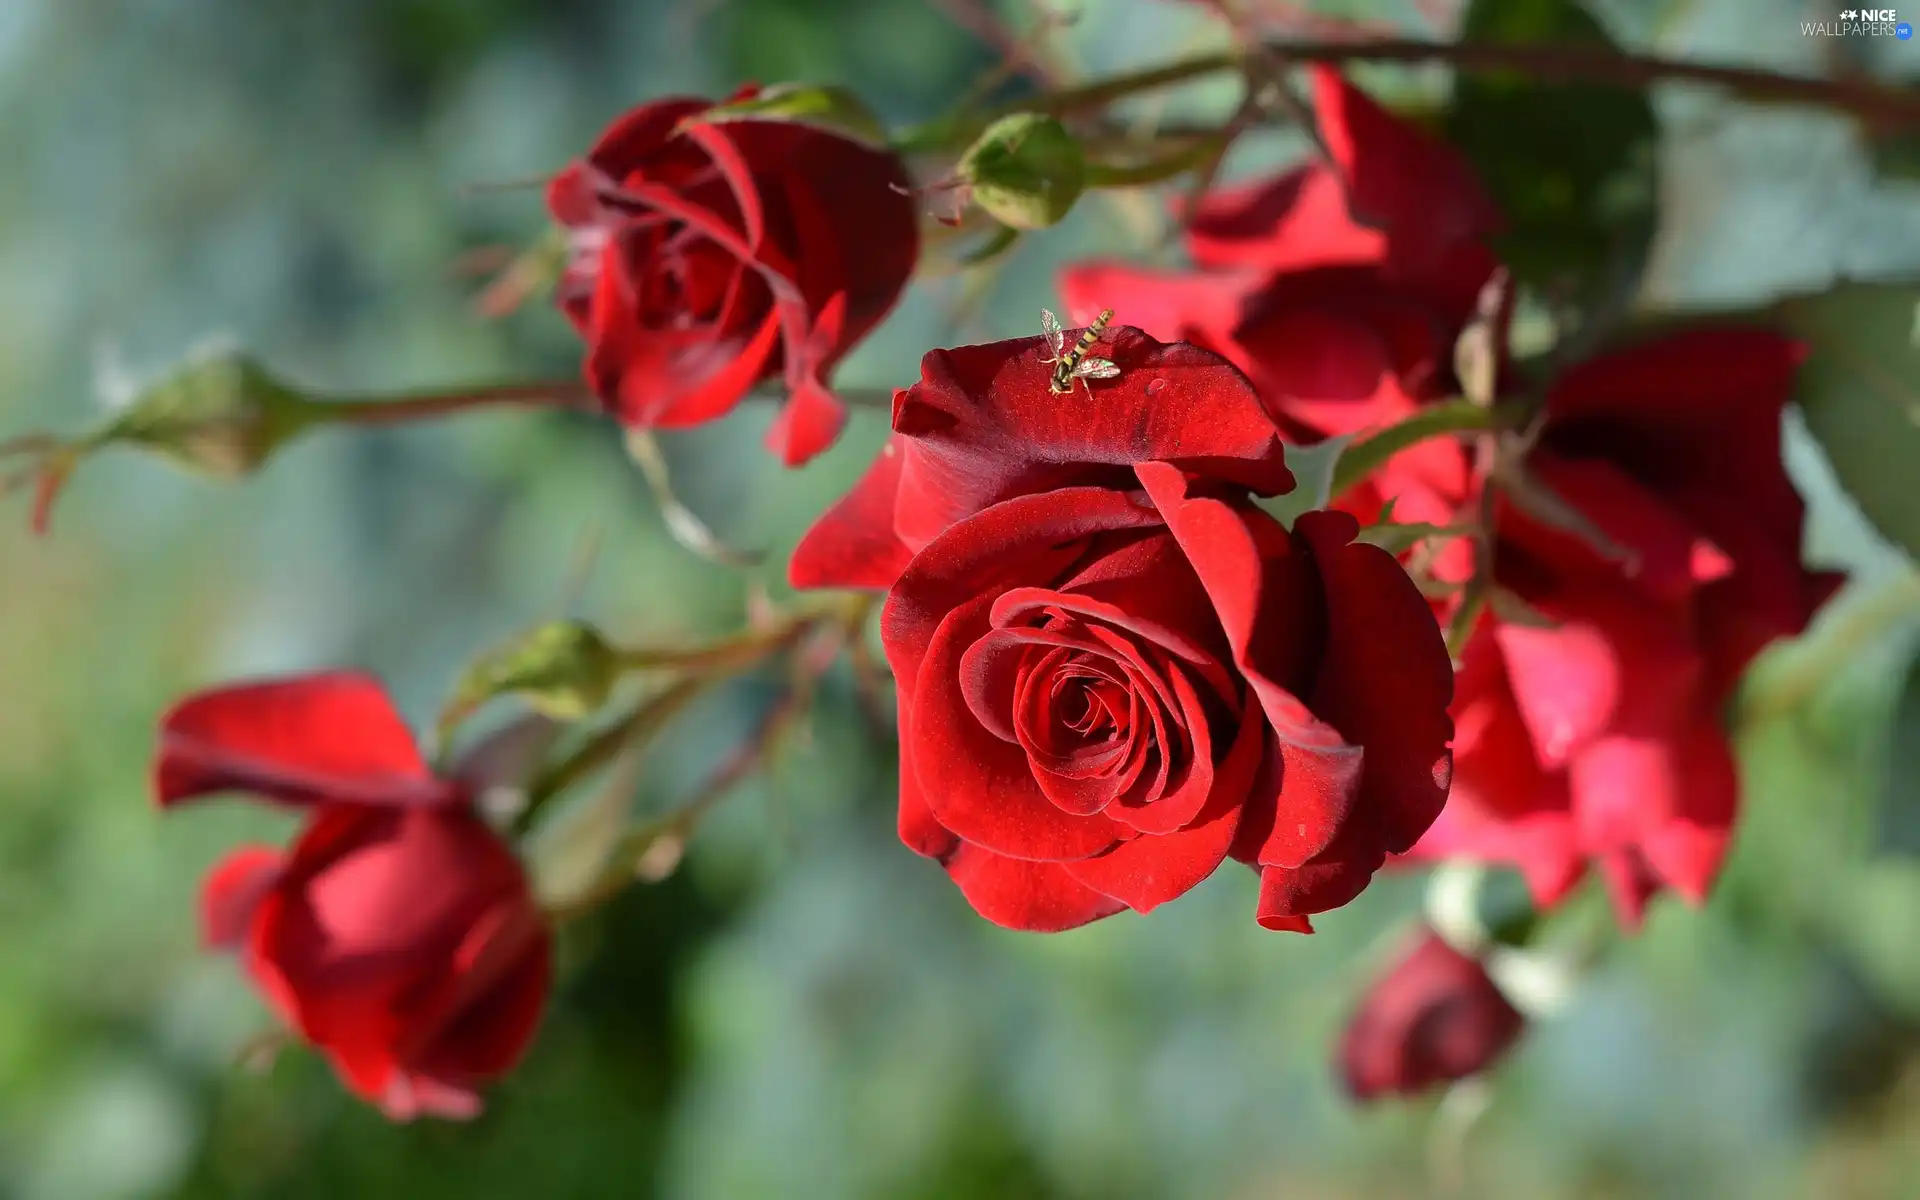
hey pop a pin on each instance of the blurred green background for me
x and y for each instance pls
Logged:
(805, 1008)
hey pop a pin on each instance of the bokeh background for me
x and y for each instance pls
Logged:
(803, 1009)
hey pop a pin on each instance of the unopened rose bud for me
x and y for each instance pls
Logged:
(1026, 171)
(564, 670)
(221, 414)
(1433, 1017)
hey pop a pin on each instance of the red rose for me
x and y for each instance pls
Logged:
(708, 257)
(1114, 670)
(397, 933)
(1339, 287)
(1434, 1016)
(1600, 738)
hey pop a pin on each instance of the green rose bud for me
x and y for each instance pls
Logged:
(563, 669)
(1026, 171)
(221, 414)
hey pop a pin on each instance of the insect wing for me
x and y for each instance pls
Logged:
(1097, 368)
(1050, 325)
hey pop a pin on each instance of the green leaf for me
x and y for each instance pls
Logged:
(834, 109)
(1396, 537)
(1367, 455)
(1574, 166)
(1860, 391)
(1313, 470)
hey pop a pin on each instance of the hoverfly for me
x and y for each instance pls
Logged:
(1069, 365)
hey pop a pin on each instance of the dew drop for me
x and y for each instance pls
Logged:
(1156, 386)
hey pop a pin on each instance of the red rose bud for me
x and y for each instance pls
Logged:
(1026, 171)
(1115, 670)
(1596, 736)
(397, 933)
(718, 247)
(1433, 1017)
(220, 414)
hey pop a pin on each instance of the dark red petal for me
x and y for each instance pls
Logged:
(978, 786)
(668, 378)
(311, 739)
(1670, 556)
(853, 545)
(1615, 662)
(1385, 680)
(1502, 807)
(1701, 407)
(1033, 896)
(381, 897)
(485, 1010)
(1174, 306)
(1269, 603)
(1025, 541)
(856, 230)
(1422, 192)
(635, 134)
(809, 422)
(1295, 221)
(233, 891)
(1153, 869)
(1434, 1016)
(1670, 796)
(1289, 894)
(983, 425)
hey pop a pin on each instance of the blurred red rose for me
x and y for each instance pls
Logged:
(1600, 738)
(1432, 1017)
(708, 257)
(397, 933)
(1338, 287)
(1114, 670)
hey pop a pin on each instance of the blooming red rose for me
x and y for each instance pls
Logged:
(1433, 1017)
(1600, 738)
(709, 256)
(1115, 671)
(397, 932)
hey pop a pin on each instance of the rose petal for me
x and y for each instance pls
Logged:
(1385, 680)
(311, 739)
(233, 891)
(1026, 541)
(1151, 870)
(1174, 306)
(978, 786)
(1614, 662)
(1034, 896)
(1269, 604)
(853, 545)
(1671, 556)
(983, 426)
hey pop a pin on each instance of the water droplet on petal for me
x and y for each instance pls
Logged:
(1156, 386)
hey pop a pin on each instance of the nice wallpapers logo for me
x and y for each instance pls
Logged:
(1860, 22)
